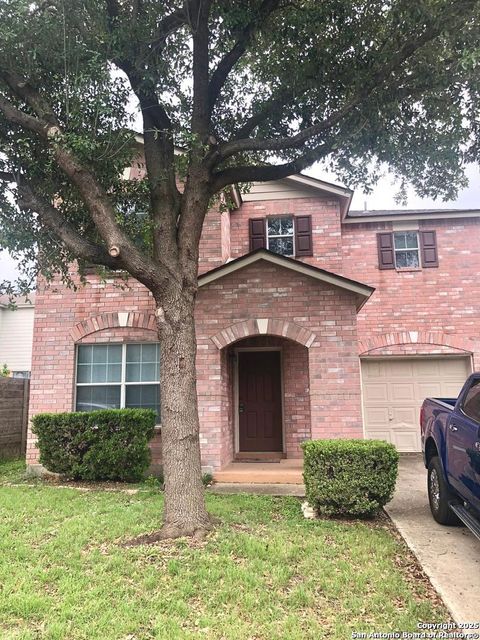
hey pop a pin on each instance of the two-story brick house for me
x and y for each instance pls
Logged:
(312, 321)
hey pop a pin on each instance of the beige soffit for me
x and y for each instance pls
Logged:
(362, 291)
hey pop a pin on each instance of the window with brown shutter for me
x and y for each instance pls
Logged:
(428, 244)
(386, 254)
(303, 236)
(257, 233)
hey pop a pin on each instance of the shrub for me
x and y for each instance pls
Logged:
(349, 477)
(98, 445)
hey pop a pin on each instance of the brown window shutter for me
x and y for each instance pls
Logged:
(386, 257)
(303, 236)
(257, 233)
(428, 245)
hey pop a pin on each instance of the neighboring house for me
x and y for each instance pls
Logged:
(312, 321)
(16, 334)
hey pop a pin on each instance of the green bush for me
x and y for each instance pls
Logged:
(97, 445)
(349, 477)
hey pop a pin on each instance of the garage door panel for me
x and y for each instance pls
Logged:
(454, 367)
(402, 391)
(451, 389)
(377, 392)
(404, 415)
(376, 370)
(400, 369)
(376, 416)
(393, 392)
(427, 389)
(380, 434)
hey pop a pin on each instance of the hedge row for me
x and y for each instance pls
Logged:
(98, 445)
(349, 477)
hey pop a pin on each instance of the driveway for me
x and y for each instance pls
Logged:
(449, 555)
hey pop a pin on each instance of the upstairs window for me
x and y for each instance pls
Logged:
(118, 376)
(407, 250)
(280, 238)
(287, 235)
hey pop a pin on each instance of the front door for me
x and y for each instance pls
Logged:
(260, 401)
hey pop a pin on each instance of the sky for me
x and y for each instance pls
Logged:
(381, 198)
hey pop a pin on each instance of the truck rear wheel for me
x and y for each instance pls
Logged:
(439, 494)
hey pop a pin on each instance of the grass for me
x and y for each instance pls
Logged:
(265, 573)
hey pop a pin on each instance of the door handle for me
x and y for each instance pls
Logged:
(453, 427)
(241, 407)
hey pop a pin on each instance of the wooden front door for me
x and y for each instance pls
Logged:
(260, 401)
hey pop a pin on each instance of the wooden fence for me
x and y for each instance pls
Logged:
(13, 416)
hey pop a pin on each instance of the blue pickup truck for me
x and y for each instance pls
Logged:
(450, 432)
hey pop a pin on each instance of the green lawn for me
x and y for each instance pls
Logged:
(265, 573)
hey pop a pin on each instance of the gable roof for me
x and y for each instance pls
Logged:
(359, 289)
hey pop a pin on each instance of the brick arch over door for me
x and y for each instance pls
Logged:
(438, 338)
(263, 326)
(132, 319)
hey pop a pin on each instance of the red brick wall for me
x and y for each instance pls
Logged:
(326, 232)
(213, 243)
(442, 302)
(57, 311)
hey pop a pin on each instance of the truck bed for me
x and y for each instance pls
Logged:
(449, 402)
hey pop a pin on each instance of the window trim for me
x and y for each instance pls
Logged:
(293, 234)
(417, 249)
(123, 372)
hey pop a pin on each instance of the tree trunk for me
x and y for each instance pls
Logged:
(185, 511)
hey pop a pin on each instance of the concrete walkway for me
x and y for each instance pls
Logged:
(260, 489)
(449, 555)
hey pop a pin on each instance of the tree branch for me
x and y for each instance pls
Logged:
(51, 218)
(93, 195)
(407, 50)
(199, 13)
(226, 64)
(250, 173)
(26, 92)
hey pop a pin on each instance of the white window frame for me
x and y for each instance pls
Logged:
(268, 236)
(122, 383)
(417, 249)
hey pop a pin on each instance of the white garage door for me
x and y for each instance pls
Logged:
(394, 389)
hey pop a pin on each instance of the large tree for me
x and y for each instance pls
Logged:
(250, 90)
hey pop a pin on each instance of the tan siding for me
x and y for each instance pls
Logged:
(16, 332)
(278, 190)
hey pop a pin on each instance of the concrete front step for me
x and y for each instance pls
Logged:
(283, 472)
